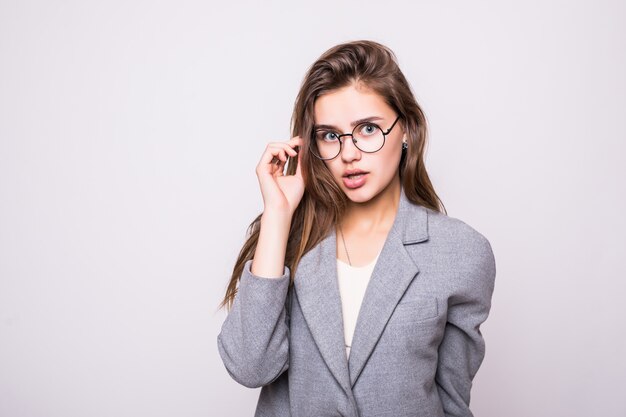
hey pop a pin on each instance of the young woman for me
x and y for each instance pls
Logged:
(354, 294)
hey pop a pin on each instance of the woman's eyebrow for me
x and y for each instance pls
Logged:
(353, 124)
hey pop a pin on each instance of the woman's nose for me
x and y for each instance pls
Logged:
(349, 151)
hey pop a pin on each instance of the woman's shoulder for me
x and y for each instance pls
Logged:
(463, 249)
(452, 231)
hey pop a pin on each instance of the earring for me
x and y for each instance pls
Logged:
(404, 146)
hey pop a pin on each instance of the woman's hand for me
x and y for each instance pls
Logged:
(281, 193)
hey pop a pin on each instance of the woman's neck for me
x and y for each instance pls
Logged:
(378, 214)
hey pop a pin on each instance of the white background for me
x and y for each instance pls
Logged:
(129, 135)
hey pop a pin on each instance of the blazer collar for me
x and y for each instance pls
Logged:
(317, 292)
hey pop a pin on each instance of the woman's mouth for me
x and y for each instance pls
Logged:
(355, 180)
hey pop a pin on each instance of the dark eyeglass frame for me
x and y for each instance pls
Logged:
(312, 146)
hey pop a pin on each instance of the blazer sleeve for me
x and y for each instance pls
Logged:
(254, 338)
(462, 349)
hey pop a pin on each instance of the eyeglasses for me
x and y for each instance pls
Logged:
(368, 137)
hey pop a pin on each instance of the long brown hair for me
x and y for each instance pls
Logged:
(366, 63)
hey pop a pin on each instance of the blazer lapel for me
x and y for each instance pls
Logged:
(392, 274)
(317, 292)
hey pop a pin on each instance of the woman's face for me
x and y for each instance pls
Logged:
(339, 110)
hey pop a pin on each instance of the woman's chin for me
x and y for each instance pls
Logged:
(359, 195)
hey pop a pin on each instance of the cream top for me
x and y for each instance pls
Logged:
(352, 282)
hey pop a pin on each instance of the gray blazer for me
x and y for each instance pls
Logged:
(417, 343)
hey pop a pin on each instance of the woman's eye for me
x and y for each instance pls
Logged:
(326, 136)
(368, 129)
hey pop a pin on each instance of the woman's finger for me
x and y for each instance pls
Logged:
(269, 155)
(274, 157)
(281, 159)
(287, 148)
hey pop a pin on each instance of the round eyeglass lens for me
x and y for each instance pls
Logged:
(368, 137)
(326, 144)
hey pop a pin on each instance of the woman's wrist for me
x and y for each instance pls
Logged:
(269, 256)
(278, 214)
